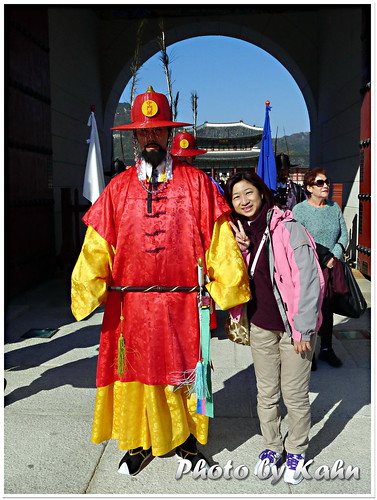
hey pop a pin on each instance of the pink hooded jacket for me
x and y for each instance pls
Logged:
(296, 275)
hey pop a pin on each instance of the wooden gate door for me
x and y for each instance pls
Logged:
(364, 240)
(29, 206)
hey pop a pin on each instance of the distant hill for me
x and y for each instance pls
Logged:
(122, 140)
(298, 144)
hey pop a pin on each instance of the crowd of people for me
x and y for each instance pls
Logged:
(164, 243)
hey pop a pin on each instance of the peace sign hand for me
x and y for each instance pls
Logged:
(242, 240)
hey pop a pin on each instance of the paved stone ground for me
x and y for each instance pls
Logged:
(49, 398)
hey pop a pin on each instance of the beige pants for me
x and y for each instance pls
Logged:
(280, 371)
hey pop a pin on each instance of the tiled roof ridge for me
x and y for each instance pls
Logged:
(230, 124)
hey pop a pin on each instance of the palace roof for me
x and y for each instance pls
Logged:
(234, 130)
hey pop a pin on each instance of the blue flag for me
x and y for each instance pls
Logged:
(266, 162)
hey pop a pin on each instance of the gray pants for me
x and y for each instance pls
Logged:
(280, 371)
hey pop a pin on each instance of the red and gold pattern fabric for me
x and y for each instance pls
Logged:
(126, 245)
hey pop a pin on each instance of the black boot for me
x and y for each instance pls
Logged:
(330, 357)
(314, 363)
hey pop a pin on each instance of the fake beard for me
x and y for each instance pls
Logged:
(153, 157)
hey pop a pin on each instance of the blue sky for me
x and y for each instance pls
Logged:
(232, 78)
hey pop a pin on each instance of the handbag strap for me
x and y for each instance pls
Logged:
(253, 265)
(341, 244)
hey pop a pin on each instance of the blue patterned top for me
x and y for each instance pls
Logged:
(326, 224)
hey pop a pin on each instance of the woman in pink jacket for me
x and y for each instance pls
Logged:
(285, 314)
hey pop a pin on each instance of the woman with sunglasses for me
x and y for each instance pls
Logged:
(324, 220)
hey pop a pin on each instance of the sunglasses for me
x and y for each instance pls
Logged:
(321, 182)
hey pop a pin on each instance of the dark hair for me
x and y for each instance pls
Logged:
(255, 180)
(310, 176)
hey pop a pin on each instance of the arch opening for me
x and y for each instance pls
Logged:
(233, 78)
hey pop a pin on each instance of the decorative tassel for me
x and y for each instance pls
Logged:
(121, 341)
(180, 379)
(200, 384)
(198, 380)
(203, 384)
(121, 355)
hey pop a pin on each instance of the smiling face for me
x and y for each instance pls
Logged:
(246, 199)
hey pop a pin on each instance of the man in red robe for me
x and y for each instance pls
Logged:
(149, 227)
(184, 147)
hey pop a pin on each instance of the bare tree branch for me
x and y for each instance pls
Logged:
(194, 105)
(135, 65)
(164, 58)
(175, 106)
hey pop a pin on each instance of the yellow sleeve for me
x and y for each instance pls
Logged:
(91, 274)
(226, 268)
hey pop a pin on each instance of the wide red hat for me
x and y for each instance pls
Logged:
(184, 144)
(150, 110)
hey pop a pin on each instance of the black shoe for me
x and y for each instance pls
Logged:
(330, 357)
(133, 461)
(193, 457)
(314, 363)
(189, 451)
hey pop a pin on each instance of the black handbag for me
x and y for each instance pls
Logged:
(352, 304)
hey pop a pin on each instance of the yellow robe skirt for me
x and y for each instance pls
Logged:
(149, 416)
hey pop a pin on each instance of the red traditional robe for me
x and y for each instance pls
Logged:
(126, 245)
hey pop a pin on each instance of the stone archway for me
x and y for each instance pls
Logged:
(326, 48)
(240, 68)
(224, 29)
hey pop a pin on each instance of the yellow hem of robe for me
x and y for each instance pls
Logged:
(149, 416)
